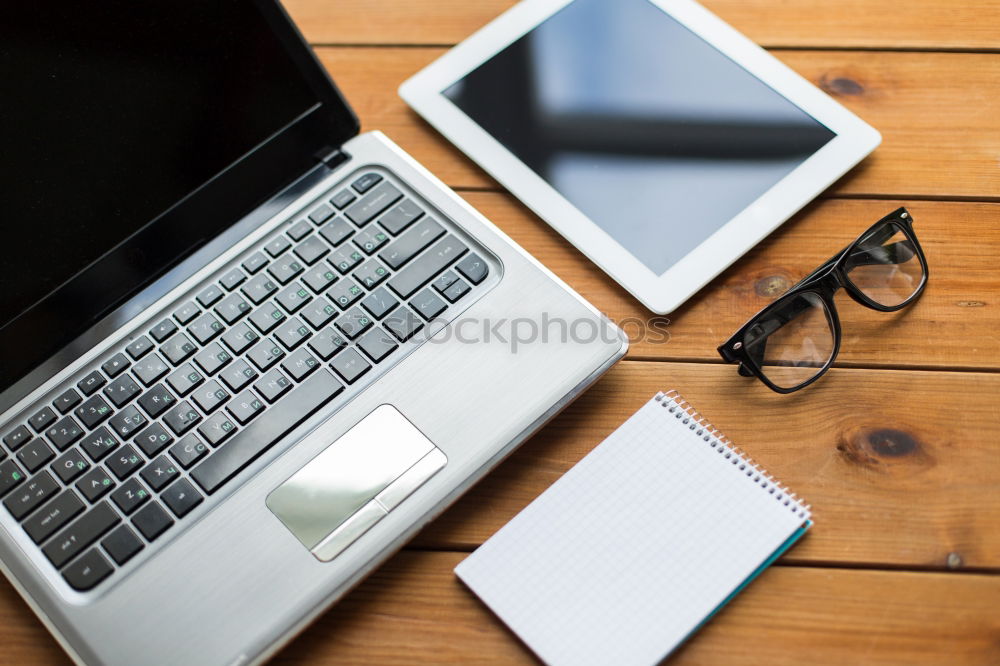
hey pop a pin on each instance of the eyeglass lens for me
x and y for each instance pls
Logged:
(885, 266)
(794, 341)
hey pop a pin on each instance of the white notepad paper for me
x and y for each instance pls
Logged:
(638, 544)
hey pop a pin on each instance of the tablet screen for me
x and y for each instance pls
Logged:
(647, 129)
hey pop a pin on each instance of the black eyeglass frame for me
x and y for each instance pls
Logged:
(824, 282)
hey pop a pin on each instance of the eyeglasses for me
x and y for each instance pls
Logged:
(793, 341)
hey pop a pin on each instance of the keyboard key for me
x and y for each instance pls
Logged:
(403, 323)
(99, 444)
(186, 313)
(217, 428)
(163, 330)
(259, 288)
(124, 462)
(130, 496)
(299, 230)
(346, 258)
(122, 544)
(254, 262)
(153, 439)
(366, 182)
(354, 322)
(336, 232)
(345, 293)
(82, 532)
(292, 333)
(273, 385)
(152, 521)
(213, 358)
(31, 495)
(285, 269)
(156, 400)
(371, 273)
(428, 304)
(293, 297)
(267, 317)
(64, 432)
(91, 382)
(446, 280)
(93, 412)
(319, 312)
(326, 343)
(379, 303)
(425, 267)
(184, 380)
(401, 216)
(209, 296)
(260, 435)
(412, 243)
(364, 211)
(457, 290)
(205, 328)
(70, 465)
(321, 214)
(67, 400)
(11, 476)
(181, 498)
(65, 507)
(244, 408)
(232, 279)
(181, 418)
(159, 473)
(127, 421)
(371, 239)
(34, 455)
(42, 419)
(88, 571)
(177, 349)
(265, 354)
(299, 364)
(473, 268)
(238, 375)
(377, 344)
(95, 484)
(239, 337)
(311, 250)
(120, 391)
(231, 308)
(17, 438)
(188, 451)
(349, 365)
(151, 368)
(210, 396)
(343, 198)
(277, 245)
(319, 278)
(115, 365)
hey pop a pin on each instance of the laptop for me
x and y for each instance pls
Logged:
(248, 352)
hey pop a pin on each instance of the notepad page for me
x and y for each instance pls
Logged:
(626, 554)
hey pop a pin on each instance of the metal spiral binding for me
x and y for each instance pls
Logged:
(682, 409)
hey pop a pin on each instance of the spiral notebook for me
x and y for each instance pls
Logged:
(638, 545)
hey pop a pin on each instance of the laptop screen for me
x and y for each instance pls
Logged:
(118, 116)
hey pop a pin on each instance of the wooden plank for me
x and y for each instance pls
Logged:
(900, 467)
(801, 23)
(941, 136)
(953, 325)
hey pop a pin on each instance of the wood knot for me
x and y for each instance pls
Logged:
(883, 449)
(891, 443)
(840, 85)
(772, 286)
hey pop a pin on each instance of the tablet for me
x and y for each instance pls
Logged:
(657, 139)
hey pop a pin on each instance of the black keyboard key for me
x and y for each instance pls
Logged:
(238, 375)
(217, 428)
(265, 354)
(354, 322)
(411, 243)
(292, 333)
(371, 273)
(473, 268)
(31, 495)
(321, 214)
(210, 396)
(345, 293)
(232, 279)
(42, 419)
(346, 258)
(429, 264)
(156, 400)
(428, 304)
(181, 498)
(371, 239)
(231, 308)
(17, 438)
(403, 323)
(205, 328)
(267, 317)
(377, 344)
(151, 368)
(401, 216)
(319, 312)
(285, 269)
(91, 382)
(446, 280)
(326, 343)
(366, 182)
(379, 303)
(244, 408)
(177, 350)
(67, 400)
(130, 496)
(186, 313)
(64, 432)
(343, 198)
(153, 439)
(336, 232)
(213, 358)
(209, 296)
(185, 379)
(88, 571)
(163, 330)
(273, 385)
(350, 365)
(11, 476)
(120, 391)
(181, 418)
(99, 443)
(115, 365)
(124, 462)
(364, 211)
(95, 484)
(457, 290)
(259, 288)
(260, 435)
(239, 337)
(122, 544)
(277, 245)
(127, 421)
(82, 532)
(34, 455)
(140, 347)
(311, 250)
(300, 364)
(152, 521)
(65, 507)
(319, 278)
(70, 465)
(299, 230)
(293, 297)
(159, 473)
(188, 451)
(254, 262)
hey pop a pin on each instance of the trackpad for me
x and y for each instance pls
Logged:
(365, 473)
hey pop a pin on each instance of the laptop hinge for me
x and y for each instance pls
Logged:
(332, 157)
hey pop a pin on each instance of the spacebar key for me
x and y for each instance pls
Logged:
(258, 437)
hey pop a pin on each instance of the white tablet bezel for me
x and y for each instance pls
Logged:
(660, 293)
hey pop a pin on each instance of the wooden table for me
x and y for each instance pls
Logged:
(897, 448)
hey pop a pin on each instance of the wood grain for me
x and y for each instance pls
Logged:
(800, 23)
(936, 113)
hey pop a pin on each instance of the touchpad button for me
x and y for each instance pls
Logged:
(338, 495)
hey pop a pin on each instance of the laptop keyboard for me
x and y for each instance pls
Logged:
(133, 445)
